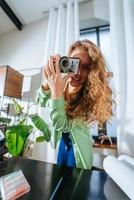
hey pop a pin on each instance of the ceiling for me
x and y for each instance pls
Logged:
(28, 11)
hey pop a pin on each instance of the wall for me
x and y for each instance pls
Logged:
(102, 6)
(94, 13)
(24, 49)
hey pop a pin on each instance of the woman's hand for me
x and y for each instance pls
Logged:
(53, 76)
(45, 86)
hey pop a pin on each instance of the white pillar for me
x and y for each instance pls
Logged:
(76, 19)
(61, 31)
(118, 62)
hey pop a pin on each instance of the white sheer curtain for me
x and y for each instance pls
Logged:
(72, 22)
(69, 25)
(122, 60)
(76, 19)
(63, 29)
(50, 38)
(60, 31)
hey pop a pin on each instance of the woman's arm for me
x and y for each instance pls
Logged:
(59, 116)
(56, 85)
(42, 96)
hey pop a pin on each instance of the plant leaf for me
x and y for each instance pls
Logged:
(22, 121)
(41, 125)
(5, 120)
(16, 137)
(18, 108)
(40, 139)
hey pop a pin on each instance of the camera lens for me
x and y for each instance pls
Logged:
(64, 64)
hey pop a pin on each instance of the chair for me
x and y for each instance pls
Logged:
(121, 170)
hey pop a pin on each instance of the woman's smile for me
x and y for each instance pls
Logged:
(75, 80)
(76, 77)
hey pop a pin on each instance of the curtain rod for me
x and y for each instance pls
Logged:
(65, 5)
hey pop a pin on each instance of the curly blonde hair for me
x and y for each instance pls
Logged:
(92, 102)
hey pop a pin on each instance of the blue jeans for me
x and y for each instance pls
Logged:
(66, 153)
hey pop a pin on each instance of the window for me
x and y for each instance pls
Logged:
(89, 34)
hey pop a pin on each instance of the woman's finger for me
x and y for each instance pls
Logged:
(45, 74)
(44, 71)
(57, 68)
(56, 56)
(47, 70)
(66, 77)
(51, 64)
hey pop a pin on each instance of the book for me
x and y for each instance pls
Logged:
(13, 185)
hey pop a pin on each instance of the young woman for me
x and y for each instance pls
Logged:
(76, 101)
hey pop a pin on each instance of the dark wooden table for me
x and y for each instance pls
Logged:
(50, 181)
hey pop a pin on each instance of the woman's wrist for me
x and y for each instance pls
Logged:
(56, 95)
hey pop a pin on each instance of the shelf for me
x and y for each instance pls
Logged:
(106, 146)
(10, 82)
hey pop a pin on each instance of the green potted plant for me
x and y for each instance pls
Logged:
(18, 130)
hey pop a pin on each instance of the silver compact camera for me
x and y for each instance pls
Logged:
(69, 64)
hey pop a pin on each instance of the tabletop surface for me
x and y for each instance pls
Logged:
(50, 181)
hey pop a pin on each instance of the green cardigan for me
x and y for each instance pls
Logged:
(79, 132)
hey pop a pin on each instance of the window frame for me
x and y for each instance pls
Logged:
(97, 31)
